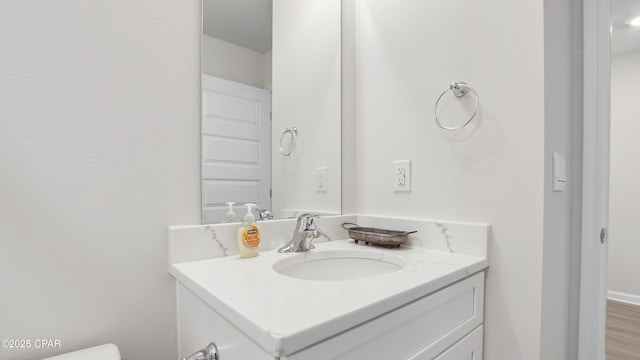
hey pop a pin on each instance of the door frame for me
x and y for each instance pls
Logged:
(595, 178)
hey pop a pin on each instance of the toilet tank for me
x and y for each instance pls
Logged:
(102, 352)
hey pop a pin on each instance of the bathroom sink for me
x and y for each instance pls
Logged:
(338, 265)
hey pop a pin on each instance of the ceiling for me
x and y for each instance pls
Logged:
(624, 37)
(246, 23)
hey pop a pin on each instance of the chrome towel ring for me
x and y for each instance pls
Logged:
(459, 89)
(293, 131)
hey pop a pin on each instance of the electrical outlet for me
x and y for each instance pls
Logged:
(321, 179)
(402, 175)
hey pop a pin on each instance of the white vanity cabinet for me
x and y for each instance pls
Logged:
(198, 325)
(444, 325)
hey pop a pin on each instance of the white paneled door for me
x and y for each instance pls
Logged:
(236, 147)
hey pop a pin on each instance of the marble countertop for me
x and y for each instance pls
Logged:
(284, 314)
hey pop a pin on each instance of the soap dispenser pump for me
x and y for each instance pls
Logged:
(231, 216)
(249, 234)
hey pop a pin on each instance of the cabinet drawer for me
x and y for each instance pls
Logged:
(427, 327)
(468, 348)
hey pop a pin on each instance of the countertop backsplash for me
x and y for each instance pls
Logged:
(199, 242)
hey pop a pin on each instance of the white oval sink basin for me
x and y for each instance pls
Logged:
(339, 265)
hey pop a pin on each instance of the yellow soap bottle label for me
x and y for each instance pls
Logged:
(251, 237)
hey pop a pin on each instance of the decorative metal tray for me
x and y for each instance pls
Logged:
(382, 237)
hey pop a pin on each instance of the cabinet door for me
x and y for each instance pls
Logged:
(199, 325)
(468, 348)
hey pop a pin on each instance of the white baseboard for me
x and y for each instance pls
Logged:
(622, 297)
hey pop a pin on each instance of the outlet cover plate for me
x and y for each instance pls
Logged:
(401, 175)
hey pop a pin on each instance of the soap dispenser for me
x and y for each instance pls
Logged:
(231, 216)
(249, 234)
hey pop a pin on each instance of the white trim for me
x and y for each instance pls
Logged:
(595, 198)
(623, 297)
(179, 336)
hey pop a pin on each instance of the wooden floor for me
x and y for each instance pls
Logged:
(623, 331)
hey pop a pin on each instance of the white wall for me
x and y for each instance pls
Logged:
(349, 106)
(306, 94)
(558, 57)
(496, 170)
(624, 244)
(235, 63)
(268, 64)
(99, 153)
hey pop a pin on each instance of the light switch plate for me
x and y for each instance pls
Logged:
(559, 172)
(321, 179)
(401, 175)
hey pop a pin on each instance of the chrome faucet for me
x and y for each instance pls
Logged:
(303, 235)
(265, 214)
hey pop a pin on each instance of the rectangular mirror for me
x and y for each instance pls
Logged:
(271, 107)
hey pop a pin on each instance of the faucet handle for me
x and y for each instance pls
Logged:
(308, 220)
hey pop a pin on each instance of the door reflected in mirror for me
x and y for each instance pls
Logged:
(268, 67)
